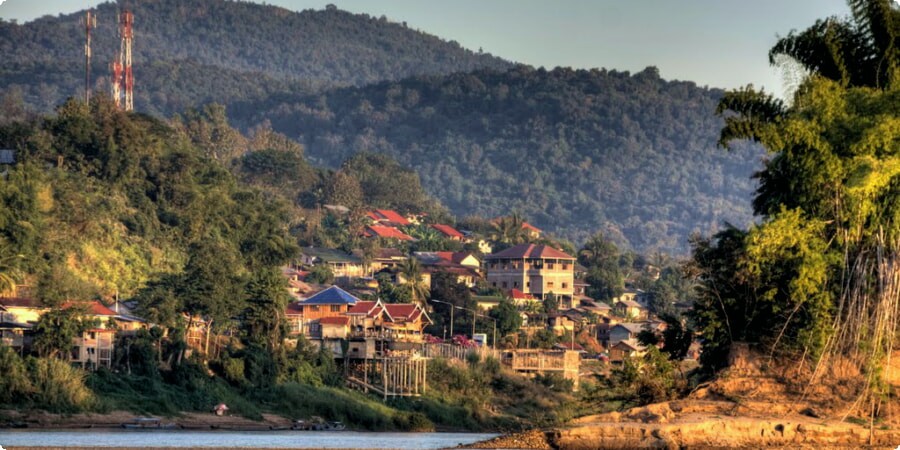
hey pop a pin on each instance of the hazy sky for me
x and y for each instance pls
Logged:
(721, 43)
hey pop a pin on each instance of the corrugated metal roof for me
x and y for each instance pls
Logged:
(331, 296)
(7, 156)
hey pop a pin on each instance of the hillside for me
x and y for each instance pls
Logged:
(197, 50)
(573, 151)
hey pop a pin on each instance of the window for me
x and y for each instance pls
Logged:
(504, 285)
(565, 285)
(550, 266)
(335, 308)
(494, 284)
(527, 284)
(515, 284)
(549, 284)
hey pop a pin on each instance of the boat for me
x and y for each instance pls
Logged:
(141, 423)
(316, 423)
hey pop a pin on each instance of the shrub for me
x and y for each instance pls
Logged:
(59, 386)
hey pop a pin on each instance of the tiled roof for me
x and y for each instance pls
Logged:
(631, 344)
(368, 309)
(390, 253)
(516, 294)
(293, 309)
(630, 304)
(18, 302)
(331, 296)
(632, 327)
(94, 308)
(447, 230)
(531, 227)
(392, 216)
(338, 320)
(533, 251)
(387, 232)
(405, 312)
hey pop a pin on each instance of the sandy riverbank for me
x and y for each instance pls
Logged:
(115, 419)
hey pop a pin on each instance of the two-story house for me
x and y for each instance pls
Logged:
(341, 264)
(303, 316)
(539, 270)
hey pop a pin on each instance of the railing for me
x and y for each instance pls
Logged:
(453, 351)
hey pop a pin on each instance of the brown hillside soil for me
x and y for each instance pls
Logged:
(756, 403)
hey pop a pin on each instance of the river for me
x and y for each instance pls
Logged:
(236, 439)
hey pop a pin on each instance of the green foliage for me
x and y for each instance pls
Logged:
(56, 329)
(651, 378)
(601, 257)
(320, 274)
(509, 320)
(58, 386)
(15, 384)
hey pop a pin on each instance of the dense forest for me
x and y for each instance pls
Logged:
(573, 151)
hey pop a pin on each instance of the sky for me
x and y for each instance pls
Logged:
(717, 43)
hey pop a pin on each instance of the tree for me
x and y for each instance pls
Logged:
(9, 271)
(411, 271)
(55, 331)
(320, 274)
(820, 267)
(263, 318)
(601, 257)
(509, 320)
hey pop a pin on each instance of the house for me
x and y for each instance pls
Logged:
(532, 231)
(95, 347)
(7, 156)
(560, 324)
(334, 327)
(303, 317)
(539, 270)
(17, 317)
(386, 232)
(487, 302)
(448, 232)
(629, 348)
(628, 330)
(464, 259)
(367, 319)
(388, 217)
(631, 309)
(341, 264)
(387, 258)
(407, 321)
(598, 308)
(443, 262)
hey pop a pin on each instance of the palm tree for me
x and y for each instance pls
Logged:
(411, 271)
(509, 230)
(9, 270)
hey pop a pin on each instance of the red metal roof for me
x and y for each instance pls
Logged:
(523, 251)
(447, 230)
(392, 216)
(94, 308)
(369, 309)
(519, 295)
(388, 232)
(338, 320)
(531, 227)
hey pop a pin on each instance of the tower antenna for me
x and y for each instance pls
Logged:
(122, 76)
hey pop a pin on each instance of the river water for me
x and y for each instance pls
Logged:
(237, 439)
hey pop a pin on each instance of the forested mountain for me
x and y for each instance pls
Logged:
(199, 50)
(574, 151)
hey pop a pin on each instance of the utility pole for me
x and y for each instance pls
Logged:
(90, 22)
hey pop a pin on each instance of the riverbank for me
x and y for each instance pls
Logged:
(41, 420)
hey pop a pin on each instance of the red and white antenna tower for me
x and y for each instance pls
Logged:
(90, 22)
(122, 77)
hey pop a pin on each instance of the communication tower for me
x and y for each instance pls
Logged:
(122, 76)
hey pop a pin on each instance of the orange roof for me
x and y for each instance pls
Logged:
(94, 308)
(339, 320)
(531, 227)
(519, 295)
(387, 233)
(392, 216)
(447, 230)
(523, 251)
